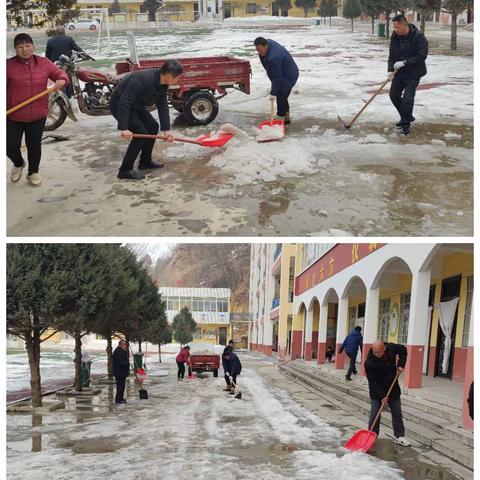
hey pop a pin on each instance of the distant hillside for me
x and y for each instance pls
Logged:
(203, 265)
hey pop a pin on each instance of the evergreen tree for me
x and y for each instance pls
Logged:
(351, 10)
(306, 5)
(283, 6)
(49, 12)
(183, 326)
(455, 8)
(426, 8)
(372, 8)
(32, 296)
(115, 8)
(151, 6)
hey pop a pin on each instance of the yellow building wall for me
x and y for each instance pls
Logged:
(206, 328)
(288, 250)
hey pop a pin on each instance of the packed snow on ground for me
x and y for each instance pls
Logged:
(192, 429)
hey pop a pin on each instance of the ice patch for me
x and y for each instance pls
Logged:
(440, 143)
(373, 138)
(452, 136)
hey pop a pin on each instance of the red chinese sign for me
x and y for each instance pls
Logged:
(340, 257)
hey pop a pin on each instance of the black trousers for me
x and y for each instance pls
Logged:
(227, 379)
(402, 95)
(283, 106)
(33, 138)
(120, 389)
(397, 419)
(140, 121)
(351, 368)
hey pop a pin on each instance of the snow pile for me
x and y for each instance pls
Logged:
(373, 138)
(269, 132)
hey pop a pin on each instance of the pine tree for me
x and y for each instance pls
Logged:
(426, 8)
(49, 12)
(183, 326)
(351, 10)
(455, 8)
(306, 5)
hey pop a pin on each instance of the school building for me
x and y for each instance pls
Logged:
(210, 308)
(419, 295)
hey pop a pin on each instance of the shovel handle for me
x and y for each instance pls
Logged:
(30, 100)
(383, 403)
(271, 109)
(382, 86)
(163, 137)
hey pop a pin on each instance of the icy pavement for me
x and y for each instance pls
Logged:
(192, 429)
(318, 180)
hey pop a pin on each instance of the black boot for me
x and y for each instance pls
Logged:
(130, 175)
(400, 124)
(405, 129)
(149, 165)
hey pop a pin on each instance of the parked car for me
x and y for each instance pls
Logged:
(83, 24)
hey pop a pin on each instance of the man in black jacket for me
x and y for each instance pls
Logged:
(120, 370)
(406, 65)
(234, 368)
(225, 365)
(128, 105)
(58, 45)
(381, 368)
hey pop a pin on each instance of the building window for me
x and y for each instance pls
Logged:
(468, 312)
(383, 317)
(251, 8)
(404, 316)
(186, 302)
(223, 305)
(197, 304)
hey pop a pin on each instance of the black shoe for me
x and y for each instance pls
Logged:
(130, 175)
(400, 124)
(287, 119)
(150, 165)
(348, 378)
(355, 372)
(405, 130)
(121, 402)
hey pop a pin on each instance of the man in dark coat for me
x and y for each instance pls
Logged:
(351, 344)
(281, 70)
(381, 367)
(58, 45)
(225, 365)
(234, 368)
(120, 370)
(406, 65)
(128, 105)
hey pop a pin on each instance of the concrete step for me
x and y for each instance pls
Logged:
(439, 437)
(427, 406)
(411, 410)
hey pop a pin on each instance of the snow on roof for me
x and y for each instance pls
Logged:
(194, 292)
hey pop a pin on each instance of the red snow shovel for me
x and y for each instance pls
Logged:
(347, 126)
(363, 440)
(203, 140)
(271, 123)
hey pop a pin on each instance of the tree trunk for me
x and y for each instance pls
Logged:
(330, 21)
(109, 358)
(305, 13)
(387, 25)
(352, 23)
(159, 353)
(453, 41)
(78, 362)
(373, 25)
(139, 345)
(422, 23)
(33, 349)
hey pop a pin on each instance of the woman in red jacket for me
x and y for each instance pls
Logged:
(182, 358)
(27, 75)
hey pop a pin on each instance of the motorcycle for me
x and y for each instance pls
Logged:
(92, 95)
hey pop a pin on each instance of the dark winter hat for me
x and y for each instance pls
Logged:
(227, 351)
(188, 347)
(22, 38)
(358, 328)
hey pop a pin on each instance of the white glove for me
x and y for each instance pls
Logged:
(399, 65)
(391, 75)
(272, 98)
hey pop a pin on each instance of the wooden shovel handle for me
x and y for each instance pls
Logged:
(30, 100)
(382, 86)
(271, 109)
(383, 404)
(163, 137)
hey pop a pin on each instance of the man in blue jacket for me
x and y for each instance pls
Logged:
(351, 344)
(281, 70)
(225, 364)
(406, 65)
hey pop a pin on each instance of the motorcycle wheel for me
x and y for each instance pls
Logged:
(200, 108)
(56, 116)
